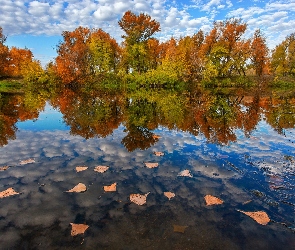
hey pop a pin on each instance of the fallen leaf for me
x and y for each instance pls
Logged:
(8, 192)
(138, 199)
(151, 165)
(212, 200)
(23, 162)
(81, 168)
(260, 217)
(111, 188)
(179, 229)
(159, 153)
(156, 136)
(4, 168)
(78, 229)
(169, 195)
(80, 187)
(185, 173)
(101, 169)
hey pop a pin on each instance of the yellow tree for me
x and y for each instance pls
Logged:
(3, 53)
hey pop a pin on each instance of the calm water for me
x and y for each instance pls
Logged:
(238, 146)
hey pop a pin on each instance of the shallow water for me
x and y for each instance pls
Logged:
(250, 169)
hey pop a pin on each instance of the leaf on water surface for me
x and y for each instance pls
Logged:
(179, 229)
(78, 229)
(185, 173)
(81, 168)
(151, 165)
(101, 169)
(212, 200)
(260, 217)
(80, 187)
(4, 168)
(159, 153)
(156, 136)
(111, 188)
(24, 162)
(8, 192)
(169, 195)
(139, 199)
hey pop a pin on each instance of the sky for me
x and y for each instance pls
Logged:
(38, 25)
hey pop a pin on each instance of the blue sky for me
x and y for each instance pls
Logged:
(38, 24)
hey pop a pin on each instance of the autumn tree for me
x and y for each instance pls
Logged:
(259, 53)
(138, 30)
(3, 53)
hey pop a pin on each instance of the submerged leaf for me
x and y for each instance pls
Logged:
(4, 168)
(169, 195)
(139, 199)
(212, 200)
(260, 217)
(111, 188)
(101, 169)
(78, 229)
(185, 173)
(80, 187)
(151, 165)
(81, 168)
(8, 192)
(23, 162)
(159, 153)
(179, 229)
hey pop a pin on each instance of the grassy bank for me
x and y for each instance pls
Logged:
(11, 85)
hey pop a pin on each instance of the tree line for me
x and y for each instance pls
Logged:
(87, 54)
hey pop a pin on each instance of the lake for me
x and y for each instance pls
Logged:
(172, 147)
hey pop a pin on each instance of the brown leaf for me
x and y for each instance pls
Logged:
(80, 187)
(8, 192)
(23, 162)
(159, 153)
(81, 168)
(169, 195)
(179, 229)
(139, 199)
(78, 229)
(156, 136)
(212, 200)
(101, 169)
(185, 173)
(260, 217)
(111, 188)
(4, 168)
(151, 165)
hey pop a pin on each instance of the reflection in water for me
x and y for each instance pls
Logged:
(228, 141)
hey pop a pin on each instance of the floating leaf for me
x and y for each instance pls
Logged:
(111, 188)
(8, 192)
(156, 136)
(151, 165)
(138, 199)
(78, 188)
(260, 217)
(4, 168)
(81, 168)
(23, 162)
(169, 195)
(212, 200)
(179, 229)
(185, 173)
(78, 229)
(159, 153)
(101, 169)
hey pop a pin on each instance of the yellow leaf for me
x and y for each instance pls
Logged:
(8, 192)
(139, 199)
(260, 217)
(80, 187)
(179, 229)
(81, 168)
(185, 173)
(151, 165)
(78, 229)
(101, 169)
(4, 168)
(212, 200)
(111, 188)
(169, 195)
(23, 162)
